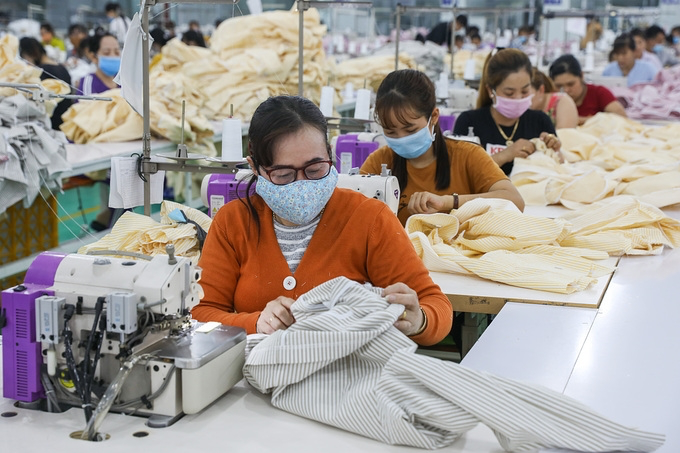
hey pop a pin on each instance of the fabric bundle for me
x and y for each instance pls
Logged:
(460, 59)
(659, 99)
(141, 234)
(609, 155)
(490, 238)
(344, 363)
(32, 155)
(427, 57)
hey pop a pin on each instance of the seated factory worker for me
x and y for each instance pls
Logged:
(625, 63)
(105, 53)
(435, 174)
(299, 230)
(559, 106)
(503, 121)
(590, 99)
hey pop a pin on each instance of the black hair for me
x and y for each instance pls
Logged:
(462, 20)
(637, 32)
(158, 36)
(192, 35)
(77, 28)
(47, 26)
(566, 64)
(276, 118)
(497, 68)
(623, 42)
(32, 50)
(472, 30)
(406, 92)
(93, 42)
(112, 6)
(653, 31)
(475, 36)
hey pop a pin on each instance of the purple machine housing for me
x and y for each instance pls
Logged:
(351, 153)
(21, 354)
(222, 188)
(446, 123)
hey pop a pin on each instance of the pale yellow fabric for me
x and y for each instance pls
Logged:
(490, 238)
(607, 156)
(141, 234)
(13, 70)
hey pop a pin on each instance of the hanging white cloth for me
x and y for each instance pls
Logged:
(343, 363)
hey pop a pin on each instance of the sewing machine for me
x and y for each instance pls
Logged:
(79, 323)
(218, 189)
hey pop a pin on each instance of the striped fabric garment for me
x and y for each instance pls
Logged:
(343, 363)
(141, 234)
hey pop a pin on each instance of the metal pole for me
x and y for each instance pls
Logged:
(496, 30)
(146, 135)
(301, 25)
(396, 42)
(453, 36)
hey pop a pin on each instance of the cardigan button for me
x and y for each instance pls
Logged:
(289, 283)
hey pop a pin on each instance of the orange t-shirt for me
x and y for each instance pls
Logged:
(472, 171)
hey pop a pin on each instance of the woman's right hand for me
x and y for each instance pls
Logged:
(276, 316)
(520, 148)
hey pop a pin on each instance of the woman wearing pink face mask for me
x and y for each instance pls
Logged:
(503, 120)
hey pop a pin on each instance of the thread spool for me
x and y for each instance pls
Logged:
(326, 104)
(232, 140)
(363, 104)
(469, 73)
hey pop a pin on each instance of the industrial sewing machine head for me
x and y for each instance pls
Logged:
(78, 323)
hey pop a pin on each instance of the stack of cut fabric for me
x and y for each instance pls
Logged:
(460, 59)
(368, 71)
(609, 155)
(32, 155)
(428, 56)
(256, 56)
(141, 234)
(492, 239)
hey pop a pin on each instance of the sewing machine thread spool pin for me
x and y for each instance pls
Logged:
(181, 147)
(170, 249)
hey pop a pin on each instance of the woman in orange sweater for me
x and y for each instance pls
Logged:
(299, 231)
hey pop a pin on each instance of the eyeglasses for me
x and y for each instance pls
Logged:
(285, 175)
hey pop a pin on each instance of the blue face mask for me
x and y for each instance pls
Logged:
(109, 65)
(300, 201)
(414, 145)
(658, 48)
(676, 40)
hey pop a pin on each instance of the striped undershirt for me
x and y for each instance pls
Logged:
(294, 240)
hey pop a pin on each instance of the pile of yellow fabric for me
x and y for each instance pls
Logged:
(609, 155)
(13, 70)
(369, 71)
(141, 234)
(102, 121)
(492, 239)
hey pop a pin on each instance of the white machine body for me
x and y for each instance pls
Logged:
(146, 306)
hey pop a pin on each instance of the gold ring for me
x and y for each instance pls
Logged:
(403, 315)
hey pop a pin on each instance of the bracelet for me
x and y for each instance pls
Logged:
(423, 325)
(455, 201)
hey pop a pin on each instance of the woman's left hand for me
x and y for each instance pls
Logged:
(412, 318)
(551, 141)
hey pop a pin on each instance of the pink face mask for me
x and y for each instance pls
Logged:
(512, 108)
